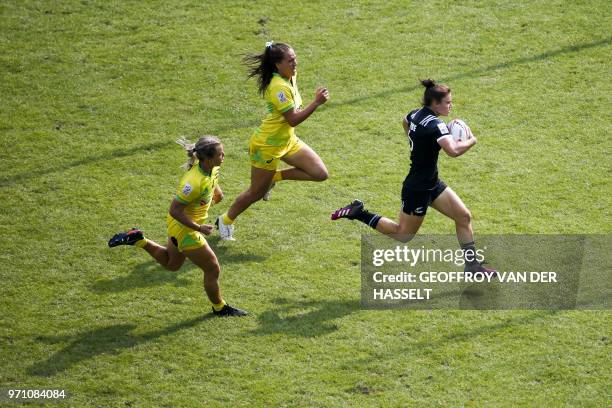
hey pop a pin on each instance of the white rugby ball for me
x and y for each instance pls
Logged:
(459, 130)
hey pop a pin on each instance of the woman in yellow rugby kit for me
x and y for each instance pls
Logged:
(275, 138)
(198, 189)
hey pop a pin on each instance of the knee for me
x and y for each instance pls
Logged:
(320, 175)
(173, 267)
(212, 273)
(465, 218)
(404, 237)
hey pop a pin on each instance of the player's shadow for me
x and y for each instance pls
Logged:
(150, 273)
(228, 253)
(105, 340)
(304, 318)
(411, 350)
(145, 275)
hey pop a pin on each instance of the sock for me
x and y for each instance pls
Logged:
(469, 252)
(278, 176)
(219, 306)
(368, 218)
(227, 220)
(141, 243)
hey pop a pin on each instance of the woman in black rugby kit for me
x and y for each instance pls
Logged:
(427, 134)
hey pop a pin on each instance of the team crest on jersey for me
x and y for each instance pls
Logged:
(187, 189)
(281, 97)
(443, 128)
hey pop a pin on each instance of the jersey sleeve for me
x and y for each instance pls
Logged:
(281, 97)
(440, 131)
(187, 191)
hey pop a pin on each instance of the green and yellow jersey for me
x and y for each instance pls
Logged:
(196, 190)
(280, 96)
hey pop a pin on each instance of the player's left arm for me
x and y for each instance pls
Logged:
(217, 195)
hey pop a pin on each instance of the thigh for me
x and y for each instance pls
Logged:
(205, 258)
(305, 159)
(175, 257)
(261, 179)
(409, 224)
(449, 204)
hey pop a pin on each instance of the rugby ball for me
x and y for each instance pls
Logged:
(459, 130)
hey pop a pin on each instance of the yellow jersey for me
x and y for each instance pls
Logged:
(280, 96)
(196, 190)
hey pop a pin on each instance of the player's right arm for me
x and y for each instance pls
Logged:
(455, 148)
(406, 125)
(177, 211)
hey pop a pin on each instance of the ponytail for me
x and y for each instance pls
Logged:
(263, 65)
(205, 147)
(433, 91)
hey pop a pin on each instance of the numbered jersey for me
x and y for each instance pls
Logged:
(425, 130)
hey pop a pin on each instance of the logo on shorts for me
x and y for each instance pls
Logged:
(281, 97)
(187, 189)
(418, 210)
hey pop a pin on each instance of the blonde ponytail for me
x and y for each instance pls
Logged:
(203, 148)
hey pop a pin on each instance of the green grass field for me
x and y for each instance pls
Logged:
(94, 94)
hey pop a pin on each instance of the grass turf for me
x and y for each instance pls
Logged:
(93, 95)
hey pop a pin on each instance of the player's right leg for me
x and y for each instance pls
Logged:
(403, 231)
(205, 258)
(260, 183)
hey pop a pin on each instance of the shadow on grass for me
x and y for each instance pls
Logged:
(412, 349)
(144, 275)
(150, 273)
(304, 318)
(241, 123)
(228, 253)
(106, 340)
(483, 70)
(115, 154)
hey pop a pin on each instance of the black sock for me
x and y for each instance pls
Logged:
(469, 253)
(368, 218)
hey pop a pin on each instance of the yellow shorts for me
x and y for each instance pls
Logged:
(268, 157)
(184, 238)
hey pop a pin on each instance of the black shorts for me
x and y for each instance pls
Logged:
(416, 202)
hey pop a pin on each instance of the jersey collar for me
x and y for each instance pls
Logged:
(281, 77)
(428, 109)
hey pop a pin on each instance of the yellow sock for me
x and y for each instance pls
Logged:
(278, 176)
(219, 306)
(227, 220)
(141, 244)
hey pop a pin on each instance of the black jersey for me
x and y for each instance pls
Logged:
(425, 129)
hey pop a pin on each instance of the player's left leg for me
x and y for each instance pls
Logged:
(307, 166)
(205, 258)
(449, 204)
(169, 257)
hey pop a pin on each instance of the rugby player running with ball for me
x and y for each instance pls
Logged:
(422, 187)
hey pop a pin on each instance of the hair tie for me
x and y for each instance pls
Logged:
(269, 44)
